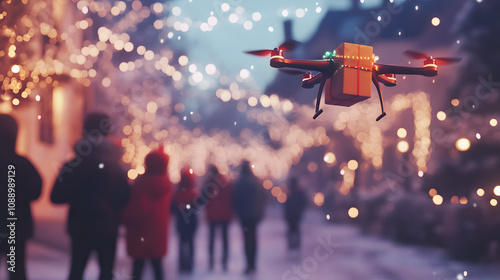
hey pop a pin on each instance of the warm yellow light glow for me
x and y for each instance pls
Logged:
(329, 158)
(275, 191)
(268, 184)
(287, 106)
(132, 174)
(441, 115)
(496, 190)
(15, 101)
(352, 164)
(152, 107)
(225, 95)
(463, 200)
(493, 122)
(282, 197)
(480, 192)
(437, 199)
(157, 7)
(493, 202)
(106, 82)
(353, 212)
(312, 167)
(402, 133)
(455, 102)
(252, 101)
(403, 146)
(15, 68)
(183, 60)
(432, 192)
(265, 101)
(319, 198)
(454, 199)
(127, 130)
(462, 144)
(435, 21)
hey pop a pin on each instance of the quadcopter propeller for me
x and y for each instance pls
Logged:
(439, 60)
(287, 46)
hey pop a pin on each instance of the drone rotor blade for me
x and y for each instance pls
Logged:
(447, 60)
(415, 54)
(292, 71)
(259, 52)
(289, 45)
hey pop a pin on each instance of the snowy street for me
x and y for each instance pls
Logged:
(330, 251)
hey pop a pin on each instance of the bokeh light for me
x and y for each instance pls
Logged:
(329, 158)
(462, 144)
(435, 21)
(401, 132)
(432, 192)
(441, 115)
(353, 212)
(403, 146)
(319, 199)
(493, 122)
(437, 199)
(352, 164)
(480, 192)
(493, 202)
(496, 190)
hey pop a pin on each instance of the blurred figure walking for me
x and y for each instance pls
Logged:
(184, 200)
(21, 184)
(147, 215)
(219, 211)
(249, 201)
(294, 209)
(96, 189)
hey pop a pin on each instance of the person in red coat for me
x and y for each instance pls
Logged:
(184, 200)
(147, 215)
(217, 191)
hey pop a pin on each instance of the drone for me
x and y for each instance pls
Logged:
(347, 72)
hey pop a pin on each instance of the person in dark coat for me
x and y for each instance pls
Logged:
(147, 215)
(21, 184)
(219, 211)
(249, 201)
(184, 199)
(96, 189)
(294, 209)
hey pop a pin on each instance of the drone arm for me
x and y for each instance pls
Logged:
(392, 69)
(314, 65)
(310, 83)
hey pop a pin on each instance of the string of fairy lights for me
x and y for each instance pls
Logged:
(145, 89)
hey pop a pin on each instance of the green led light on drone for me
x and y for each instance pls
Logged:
(329, 55)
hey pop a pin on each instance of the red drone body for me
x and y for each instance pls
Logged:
(349, 71)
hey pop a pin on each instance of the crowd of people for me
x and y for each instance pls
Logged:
(101, 198)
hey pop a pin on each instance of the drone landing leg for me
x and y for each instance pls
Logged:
(318, 98)
(375, 81)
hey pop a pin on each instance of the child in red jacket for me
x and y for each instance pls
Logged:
(147, 215)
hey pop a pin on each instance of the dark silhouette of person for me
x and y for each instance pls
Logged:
(218, 210)
(184, 199)
(21, 184)
(96, 189)
(294, 209)
(147, 215)
(249, 201)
